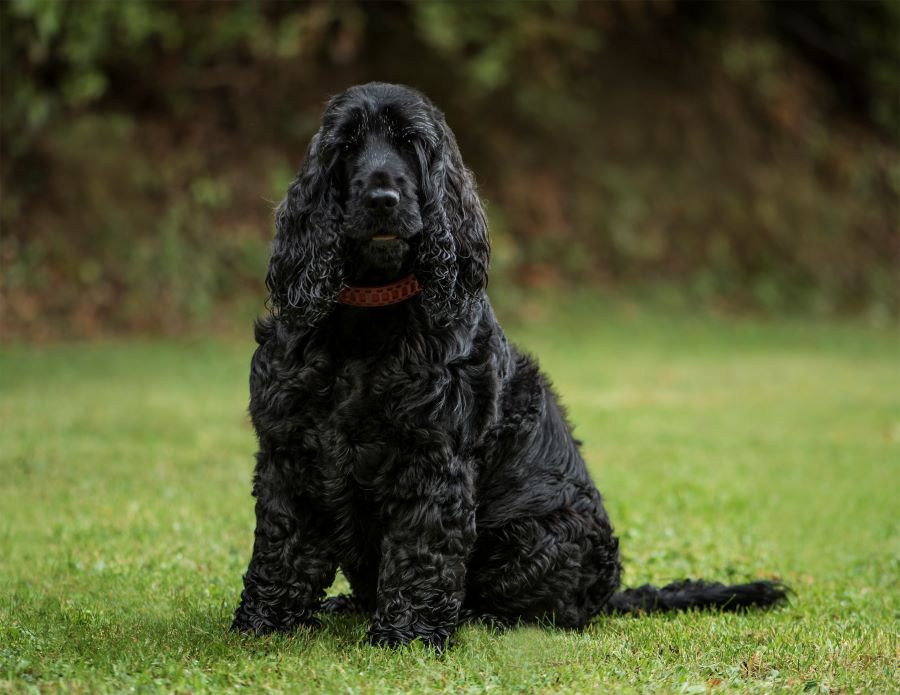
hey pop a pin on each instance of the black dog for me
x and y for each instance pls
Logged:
(401, 437)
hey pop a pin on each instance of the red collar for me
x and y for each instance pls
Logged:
(382, 295)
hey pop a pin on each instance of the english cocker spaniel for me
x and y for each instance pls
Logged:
(402, 439)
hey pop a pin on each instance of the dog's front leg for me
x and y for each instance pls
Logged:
(430, 532)
(291, 565)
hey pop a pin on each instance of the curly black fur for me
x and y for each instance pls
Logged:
(411, 445)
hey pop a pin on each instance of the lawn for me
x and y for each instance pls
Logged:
(725, 449)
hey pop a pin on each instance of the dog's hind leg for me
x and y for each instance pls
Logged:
(560, 568)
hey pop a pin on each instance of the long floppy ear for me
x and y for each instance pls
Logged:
(455, 250)
(305, 270)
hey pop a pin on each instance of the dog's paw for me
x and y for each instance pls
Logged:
(259, 624)
(345, 603)
(388, 636)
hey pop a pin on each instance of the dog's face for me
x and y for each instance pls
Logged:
(382, 192)
(379, 176)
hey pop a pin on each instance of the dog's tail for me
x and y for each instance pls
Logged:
(688, 594)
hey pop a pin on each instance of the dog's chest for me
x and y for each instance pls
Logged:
(358, 452)
(361, 433)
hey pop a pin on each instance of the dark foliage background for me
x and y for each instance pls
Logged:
(737, 155)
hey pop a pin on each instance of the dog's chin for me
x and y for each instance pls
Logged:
(380, 260)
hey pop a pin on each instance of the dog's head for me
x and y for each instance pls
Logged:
(382, 192)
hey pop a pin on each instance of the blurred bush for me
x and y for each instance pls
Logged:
(737, 154)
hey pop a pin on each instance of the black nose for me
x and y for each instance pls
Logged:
(382, 199)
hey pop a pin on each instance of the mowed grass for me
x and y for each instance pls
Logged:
(725, 450)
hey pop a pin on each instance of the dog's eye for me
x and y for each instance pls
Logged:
(350, 142)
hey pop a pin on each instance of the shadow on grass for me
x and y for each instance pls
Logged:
(116, 638)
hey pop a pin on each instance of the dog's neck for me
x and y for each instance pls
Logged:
(380, 295)
(369, 332)
(376, 305)
(379, 278)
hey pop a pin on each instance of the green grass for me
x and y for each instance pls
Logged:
(726, 450)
